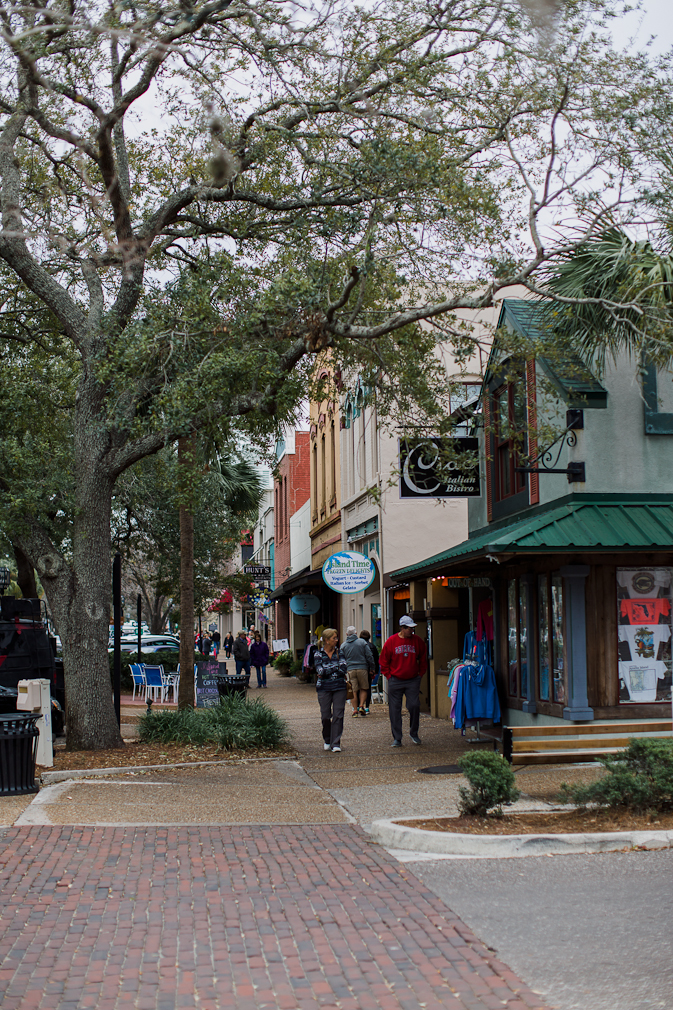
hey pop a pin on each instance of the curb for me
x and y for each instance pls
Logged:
(48, 778)
(446, 843)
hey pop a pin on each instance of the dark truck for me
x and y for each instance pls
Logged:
(27, 653)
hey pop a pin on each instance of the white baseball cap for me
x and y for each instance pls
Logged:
(406, 622)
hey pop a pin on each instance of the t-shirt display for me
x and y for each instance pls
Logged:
(648, 582)
(644, 640)
(645, 611)
(641, 680)
(644, 633)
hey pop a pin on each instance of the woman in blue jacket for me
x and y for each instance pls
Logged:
(259, 657)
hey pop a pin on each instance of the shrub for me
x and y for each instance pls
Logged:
(639, 778)
(236, 723)
(492, 784)
(283, 663)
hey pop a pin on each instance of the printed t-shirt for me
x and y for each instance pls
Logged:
(641, 679)
(644, 583)
(645, 611)
(644, 640)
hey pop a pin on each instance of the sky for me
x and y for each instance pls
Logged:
(657, 20)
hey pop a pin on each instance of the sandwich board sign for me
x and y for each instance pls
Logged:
(205, 683)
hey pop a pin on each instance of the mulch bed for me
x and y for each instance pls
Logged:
(563, 822)
(137, 753)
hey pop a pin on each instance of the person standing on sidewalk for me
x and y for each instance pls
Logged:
(242, 653)
(403, 662)
(228, 644)
(360, 661)
(259, 657)
(331, 685)
(215, 637)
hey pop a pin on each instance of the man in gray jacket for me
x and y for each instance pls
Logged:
(360, 660)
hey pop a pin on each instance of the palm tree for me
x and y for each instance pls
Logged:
(613, 294)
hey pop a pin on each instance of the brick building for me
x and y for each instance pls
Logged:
(292, 490)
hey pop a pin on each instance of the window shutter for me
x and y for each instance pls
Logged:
(533, 478)
(488, 458)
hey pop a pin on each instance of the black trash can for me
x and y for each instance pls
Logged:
(18, 750)
(232, 683)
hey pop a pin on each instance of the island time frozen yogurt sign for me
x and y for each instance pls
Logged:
(348, 572)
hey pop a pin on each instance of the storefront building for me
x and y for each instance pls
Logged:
(567, 570)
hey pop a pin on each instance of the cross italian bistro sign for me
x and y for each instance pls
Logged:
(348, 572)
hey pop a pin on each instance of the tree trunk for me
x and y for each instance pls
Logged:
(186, 691)
(79, 593)
(25, 573)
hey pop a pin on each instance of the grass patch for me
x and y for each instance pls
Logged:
(235, 724)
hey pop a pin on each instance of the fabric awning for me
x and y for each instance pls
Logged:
(603, 523)
(306, 577)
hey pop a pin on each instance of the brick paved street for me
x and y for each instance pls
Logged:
(242, 917)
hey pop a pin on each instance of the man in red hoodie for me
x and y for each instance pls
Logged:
(403, 663)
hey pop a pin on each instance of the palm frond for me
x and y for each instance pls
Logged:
(613, 294)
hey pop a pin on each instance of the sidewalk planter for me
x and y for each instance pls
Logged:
(18, 749)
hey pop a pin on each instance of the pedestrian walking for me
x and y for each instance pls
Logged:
(207, 642)
(332, 688)
(360, 660)
(259, 657)
(216, 643)
(242, 653)
(403, 662)
(228, 644)
(373, 674)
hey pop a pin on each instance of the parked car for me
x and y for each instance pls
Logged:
(148, 643)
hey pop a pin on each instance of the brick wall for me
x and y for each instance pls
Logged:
(291, 489)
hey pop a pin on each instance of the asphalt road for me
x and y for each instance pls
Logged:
(591, 932)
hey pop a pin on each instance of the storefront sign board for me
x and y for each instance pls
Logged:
(348, 572)
(304, 603)
(427, 469)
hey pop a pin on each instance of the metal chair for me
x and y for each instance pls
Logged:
(155, 681)
(138, 674)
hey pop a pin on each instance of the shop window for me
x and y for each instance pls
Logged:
(512, 639)
(509, 424)
(550, 643)
(523, 640)
(644, 635)
(558, 650)
(543, 650)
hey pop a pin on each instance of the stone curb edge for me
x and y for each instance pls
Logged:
(394, 836)
(48, 778)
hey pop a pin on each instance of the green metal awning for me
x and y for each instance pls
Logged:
(576, 526)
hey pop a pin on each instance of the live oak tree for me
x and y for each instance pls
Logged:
(198, 199)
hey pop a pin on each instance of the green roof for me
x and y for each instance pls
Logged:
(571, 376)
(571, 527)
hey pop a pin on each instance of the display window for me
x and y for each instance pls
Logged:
(644, 634)
(528, 622)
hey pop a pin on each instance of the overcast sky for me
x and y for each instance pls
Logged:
(657, 20)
